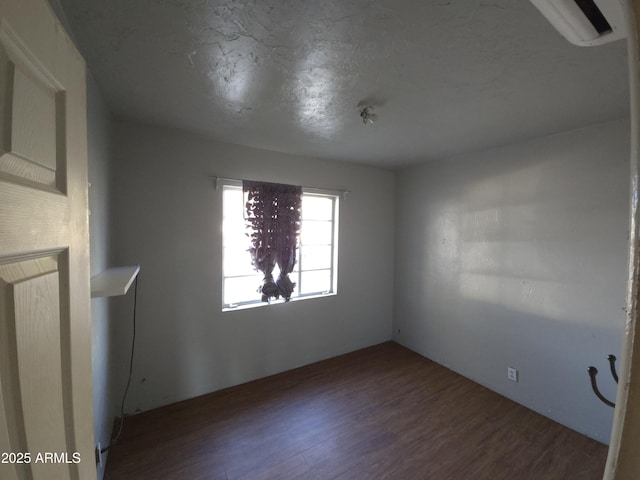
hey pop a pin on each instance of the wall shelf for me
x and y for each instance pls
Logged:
(113, 281)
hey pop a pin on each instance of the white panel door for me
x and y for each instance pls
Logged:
(623, 461)
(46, 427)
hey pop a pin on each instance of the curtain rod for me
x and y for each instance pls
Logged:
(342, 193)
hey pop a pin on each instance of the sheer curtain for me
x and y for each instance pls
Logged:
(273, 220)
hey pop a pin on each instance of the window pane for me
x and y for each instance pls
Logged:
(234, 233)
(242, 289)
(317, 257)
(316, 282)
(237, 261)
(315, 232)
(317, 208)
(241, 281)
(232, 202)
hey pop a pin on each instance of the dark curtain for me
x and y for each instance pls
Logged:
(273, 219)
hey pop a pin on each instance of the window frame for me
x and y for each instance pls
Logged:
(299, 268)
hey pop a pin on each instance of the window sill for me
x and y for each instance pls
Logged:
(277, 302)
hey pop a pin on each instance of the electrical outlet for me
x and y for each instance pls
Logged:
(99, 455)
(512, 374)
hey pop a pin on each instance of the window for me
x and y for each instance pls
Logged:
(315, 273)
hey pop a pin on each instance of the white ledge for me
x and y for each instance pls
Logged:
(113, 281)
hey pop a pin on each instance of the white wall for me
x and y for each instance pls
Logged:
(167, 217)
(517, 256)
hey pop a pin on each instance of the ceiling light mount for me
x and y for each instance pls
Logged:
(366, 114)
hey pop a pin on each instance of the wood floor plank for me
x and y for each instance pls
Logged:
(379, 413)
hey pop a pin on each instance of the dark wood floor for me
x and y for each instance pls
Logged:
(380, 413)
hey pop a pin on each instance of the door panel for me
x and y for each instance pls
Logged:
(28, 212)
(45, 337)
(33, 120)
(34, 316)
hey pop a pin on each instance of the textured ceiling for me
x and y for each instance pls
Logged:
(445, 77)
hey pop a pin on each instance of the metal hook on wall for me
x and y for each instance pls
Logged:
(593, 371)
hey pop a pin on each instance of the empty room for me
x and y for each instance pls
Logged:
(318, 240)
